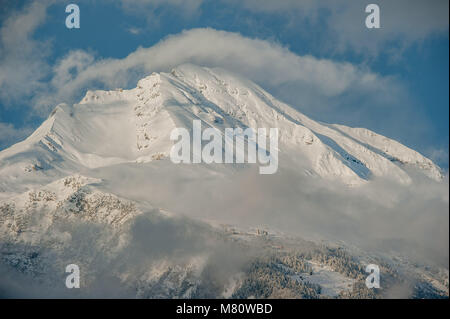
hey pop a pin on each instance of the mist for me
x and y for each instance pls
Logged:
(381, 216)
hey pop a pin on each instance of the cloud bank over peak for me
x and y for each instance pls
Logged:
(259, 60)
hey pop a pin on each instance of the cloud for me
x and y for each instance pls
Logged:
(134, 30)
(440, 156)
(341, 22)
(22, 59)
(382, 217)
(147, 257)
(403, 22)
(264, 62)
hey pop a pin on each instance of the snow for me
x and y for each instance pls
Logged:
(331, 282)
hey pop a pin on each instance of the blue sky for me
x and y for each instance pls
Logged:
(316, 55)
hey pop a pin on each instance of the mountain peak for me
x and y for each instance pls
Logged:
(133, 126)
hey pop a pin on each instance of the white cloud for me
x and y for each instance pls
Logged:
(22, 59)
(403, 22)
(340, 21)
(380, 216)
(264, 62)
(134, 30)
(72, 64)
(439, 155)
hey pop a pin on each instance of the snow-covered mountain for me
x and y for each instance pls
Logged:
(122, 126)
(61, 183)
